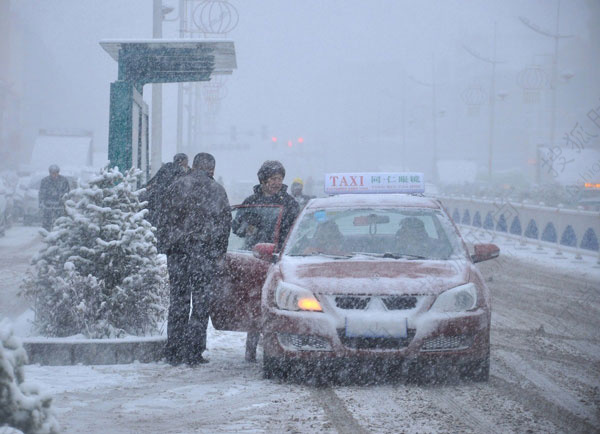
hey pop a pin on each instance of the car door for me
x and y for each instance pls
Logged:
(236, 303)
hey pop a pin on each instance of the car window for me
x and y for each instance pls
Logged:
(253, 224)
(417, 232)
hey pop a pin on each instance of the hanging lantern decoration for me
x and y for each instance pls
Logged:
(532, 80)
(215, 17)
(473, 96)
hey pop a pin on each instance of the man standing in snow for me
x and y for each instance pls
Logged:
(270, 191)
(197, 223)
(52, 189)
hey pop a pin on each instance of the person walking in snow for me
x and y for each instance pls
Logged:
(197, 225)
(250, 225)
(52, 189)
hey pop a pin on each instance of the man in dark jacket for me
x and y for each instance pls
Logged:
(155, 194)
(196, 236)
(52, 189)
(256, 229)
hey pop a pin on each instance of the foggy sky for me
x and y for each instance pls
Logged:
(330, 72)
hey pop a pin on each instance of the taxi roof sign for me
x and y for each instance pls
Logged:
(377, 182)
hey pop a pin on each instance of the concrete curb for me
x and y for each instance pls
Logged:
(94, 351)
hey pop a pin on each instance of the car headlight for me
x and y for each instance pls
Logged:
(459, 299)
(292, 297)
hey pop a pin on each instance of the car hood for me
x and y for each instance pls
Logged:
(387, 276)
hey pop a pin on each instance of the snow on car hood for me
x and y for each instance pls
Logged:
(384, 276)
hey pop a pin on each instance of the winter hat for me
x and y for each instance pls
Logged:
(53, 168)
(270, 168)
(298, 181)
(178, 158)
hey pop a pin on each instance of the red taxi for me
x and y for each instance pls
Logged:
(373, 275)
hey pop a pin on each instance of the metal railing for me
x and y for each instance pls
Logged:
(563, 229)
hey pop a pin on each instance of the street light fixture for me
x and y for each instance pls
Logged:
(492, 96)
(434, 114)
(554, 80)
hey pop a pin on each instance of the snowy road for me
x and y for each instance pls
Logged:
(545, 377)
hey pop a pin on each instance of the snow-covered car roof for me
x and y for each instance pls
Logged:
(373, 200)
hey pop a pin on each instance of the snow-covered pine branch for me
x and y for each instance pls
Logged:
(99, 273)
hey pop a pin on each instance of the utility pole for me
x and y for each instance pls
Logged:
(554, 80)
(403, 150)
(182, 19)
(492, 97)
(156, 145)
(433, 86)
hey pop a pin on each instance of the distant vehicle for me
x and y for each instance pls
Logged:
(589, 197)
(431, 190)
(362, 277)
(590, 204)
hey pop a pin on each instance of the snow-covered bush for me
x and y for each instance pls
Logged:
(99, 273)
(21, 405)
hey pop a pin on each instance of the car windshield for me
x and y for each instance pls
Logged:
(397, 233)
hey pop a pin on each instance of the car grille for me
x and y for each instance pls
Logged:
(363, 343)
(303, 342)
(350, 302)
(391, 302)
(444, 343)
(400, 302)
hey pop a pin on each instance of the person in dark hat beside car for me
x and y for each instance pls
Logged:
(52, 189)
(256, 227)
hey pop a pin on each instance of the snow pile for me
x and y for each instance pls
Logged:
(21, 405)
(99, 273)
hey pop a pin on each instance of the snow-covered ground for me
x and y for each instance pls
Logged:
(545, 374)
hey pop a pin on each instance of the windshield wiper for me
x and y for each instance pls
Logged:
(391, 255)
(327, 255)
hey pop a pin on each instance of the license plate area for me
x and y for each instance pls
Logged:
(396, 328)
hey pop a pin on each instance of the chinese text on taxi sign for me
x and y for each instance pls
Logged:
(336, 183)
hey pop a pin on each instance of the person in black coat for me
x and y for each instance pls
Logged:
(196, 232)
(251, 224)
(155, 193)
(52, 189)
(255, 228)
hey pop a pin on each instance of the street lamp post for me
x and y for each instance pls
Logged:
(554, 80)
(434, 113)
(156, 145)
(492, 96)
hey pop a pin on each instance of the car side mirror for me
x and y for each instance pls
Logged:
(264, 251)
(484, 252)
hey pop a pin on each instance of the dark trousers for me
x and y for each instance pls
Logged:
(190, 276)
(50, 214)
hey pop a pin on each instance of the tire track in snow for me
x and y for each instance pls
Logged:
(535, 402)
(336, 411)
(574, 360)
(554, 402)
(446, 399)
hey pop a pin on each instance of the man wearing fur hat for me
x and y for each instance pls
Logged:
(250, 225)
